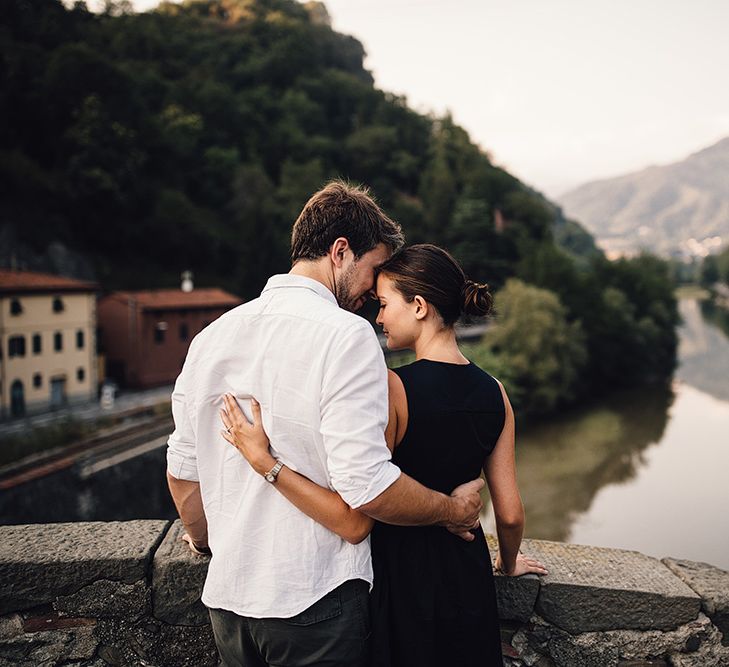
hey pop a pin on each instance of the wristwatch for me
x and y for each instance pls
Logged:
(202, 551)
(272, 474)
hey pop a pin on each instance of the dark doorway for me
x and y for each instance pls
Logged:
(17, 399)
(58, 392)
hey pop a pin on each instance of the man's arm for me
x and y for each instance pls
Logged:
(182, 476)
(409, 503)
(188, 501)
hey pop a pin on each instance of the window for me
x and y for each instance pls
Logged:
(80, 374)
(57, 304)
(184, 331)
(159, 332)
(16, 346)
(58, 341)
(16, 307)
(37, 380)
(37, 344)
(80, 340)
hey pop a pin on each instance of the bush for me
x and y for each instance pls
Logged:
(536, 349)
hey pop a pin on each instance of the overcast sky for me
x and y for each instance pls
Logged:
(558, 91)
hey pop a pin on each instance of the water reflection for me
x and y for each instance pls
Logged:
(564, 462)
(716, 315)
(704, 347)
(672, 505)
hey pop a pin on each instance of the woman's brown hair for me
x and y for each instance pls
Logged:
(430, 272)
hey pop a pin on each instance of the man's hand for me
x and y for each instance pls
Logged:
(199, 549)
(465, 507)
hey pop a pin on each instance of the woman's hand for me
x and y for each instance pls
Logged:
(249, 439)
(524, 565)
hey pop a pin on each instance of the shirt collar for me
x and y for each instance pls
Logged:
(292, 280)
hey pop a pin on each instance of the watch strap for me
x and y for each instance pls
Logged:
(272, 474)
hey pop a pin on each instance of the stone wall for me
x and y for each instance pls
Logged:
(127, 593)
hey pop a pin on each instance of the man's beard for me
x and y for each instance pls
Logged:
(342, 291)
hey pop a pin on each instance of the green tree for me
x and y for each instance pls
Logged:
(543, 352)
(189, 137)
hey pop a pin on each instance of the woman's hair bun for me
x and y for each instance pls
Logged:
(476, 299)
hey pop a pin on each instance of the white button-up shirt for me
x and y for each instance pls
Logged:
(320, 377)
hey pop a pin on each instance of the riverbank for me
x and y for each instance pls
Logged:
(73, 428)
(692, 292)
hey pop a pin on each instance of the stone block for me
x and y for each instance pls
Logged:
(151, 642)
(515, 596)
(711, 584)
(688, 644)
(41, 562)
(104, 598)
(640, 646)
(590, 652)
(49, 647)
(178, 576)
(531, 641)
(590, 589)
(10, 626)
(711, 653)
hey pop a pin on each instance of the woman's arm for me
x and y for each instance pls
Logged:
(323, 505)
(398, 418)
(500, 471)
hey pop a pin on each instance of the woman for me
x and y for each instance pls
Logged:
(433, 601)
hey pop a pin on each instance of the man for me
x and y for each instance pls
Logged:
(281, 588)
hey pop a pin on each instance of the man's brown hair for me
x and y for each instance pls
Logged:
(342, 210)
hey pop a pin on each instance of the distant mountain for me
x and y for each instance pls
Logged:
(675, 209)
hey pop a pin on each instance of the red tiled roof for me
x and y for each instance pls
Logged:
(15, 282)
(173, 299)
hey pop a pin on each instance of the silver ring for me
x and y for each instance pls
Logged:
(228, 429)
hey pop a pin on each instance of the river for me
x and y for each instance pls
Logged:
(645, 470)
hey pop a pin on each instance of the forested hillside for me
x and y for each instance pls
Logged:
(190, 136)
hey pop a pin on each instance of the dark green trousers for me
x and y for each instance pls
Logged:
(333, 632)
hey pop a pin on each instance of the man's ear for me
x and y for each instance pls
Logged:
(421, 307)
(338, 251)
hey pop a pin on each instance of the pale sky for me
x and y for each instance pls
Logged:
(557, 91)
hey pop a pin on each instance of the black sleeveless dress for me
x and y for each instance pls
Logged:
(433, 601)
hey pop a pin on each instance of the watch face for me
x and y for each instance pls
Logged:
(272, 474)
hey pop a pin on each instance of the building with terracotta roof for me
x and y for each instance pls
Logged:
(47, 342)
(144, 335)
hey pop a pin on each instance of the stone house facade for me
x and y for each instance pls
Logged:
(144, 335)
(47, 342)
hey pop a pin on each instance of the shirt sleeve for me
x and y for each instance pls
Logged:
(181, 445)
(354, 413)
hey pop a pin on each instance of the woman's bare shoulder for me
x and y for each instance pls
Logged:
(396, 388)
